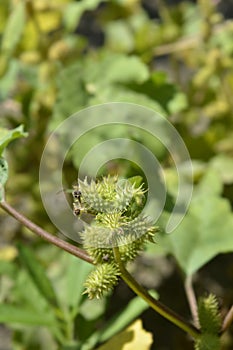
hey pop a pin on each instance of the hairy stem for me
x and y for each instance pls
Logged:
(162, 309)
(70, 248)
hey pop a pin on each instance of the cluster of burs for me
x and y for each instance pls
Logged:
(115, 206)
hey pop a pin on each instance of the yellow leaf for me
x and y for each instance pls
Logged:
(8, 253)
(48, 21)
(132, 338)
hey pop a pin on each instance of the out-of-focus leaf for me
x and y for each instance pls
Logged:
(14, 28)
(211, 184)
(223, 39)
(6, 136)
(122, 94)
(117, 323)
(177, 103)
(98, 80)
(48, 20)
(7, 267)
(116, 68)
(3, 14)
(133, 337)
(10, 314)
(8, 253)
(3, 176)
(224, 166)
(205, 232)
(159, 90)
(72, 94)
(7, 82)
(135, 307)
(119, 37)
(32, 298)
(92, 309)
(75, 278)
(74, 11)
(37, 273)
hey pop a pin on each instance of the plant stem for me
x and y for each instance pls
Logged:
(162, 309)
(186, 43)
(228, 320)
(191, 299)
(70, 248)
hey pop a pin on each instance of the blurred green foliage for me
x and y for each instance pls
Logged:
(58, 57)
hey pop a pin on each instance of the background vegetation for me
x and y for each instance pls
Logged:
(58, 57)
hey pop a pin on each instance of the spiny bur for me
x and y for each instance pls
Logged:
(116, 205)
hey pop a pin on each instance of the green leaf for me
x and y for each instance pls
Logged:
(84, 83)
(69, 274)
(74, 11)
(223, 164)
(135, 307)
(37, 273)
(157, 88)
(77, 273)
(8, 80)
(6, 136)
(3, 176)
(92, 309)
(205, 232)
(117, 93)
(115, 68)
(10, 314)
(119, 36)
(211, 184)
(14, 28)
(7, 267)
(71, 96)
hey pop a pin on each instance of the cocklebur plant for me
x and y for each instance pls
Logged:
(118, 225)
(117, 233)
(116, 236)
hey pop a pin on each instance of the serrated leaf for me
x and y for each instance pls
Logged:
(37, 273)
(10, 314)
(6, 136)
(84, 83)
(3, 176)
(14, 28)
(72, 94)
(133, 337)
